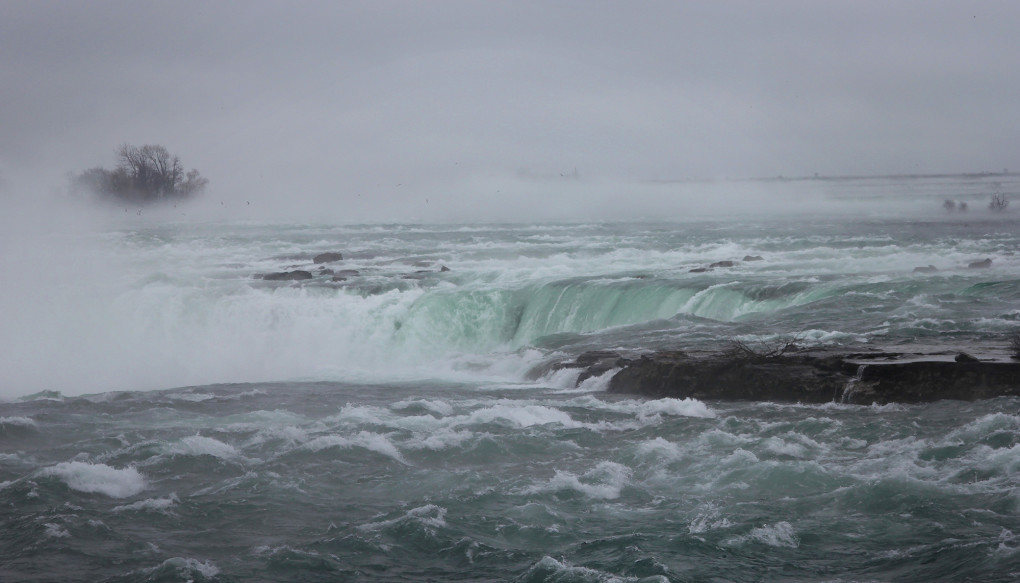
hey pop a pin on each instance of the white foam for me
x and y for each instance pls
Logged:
(707, 519)
(262, 420)
(160, 505)
(98, 478)
(522, 415)
(430, 515)
(985, 425)
(722, 439)
(361, 414)
(598, 383)
(738, 459)
(779, 446)
(654, 410)
(1006, 537)
(445, 439)
(19, 421)
(604, 482)
(55, 531)
(289, 434)
(815, 336)
(365, 439)
(201, 445)
(185, 566)
(440, 408)
(781, 534)
(649, 411)
(1002, 460)
(192, 397)
(660, 449)
(549, 569)
(853, 443)
(564, 378)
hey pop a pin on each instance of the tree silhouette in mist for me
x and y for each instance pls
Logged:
(145, 174)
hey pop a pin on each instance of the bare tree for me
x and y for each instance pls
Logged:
(148, 173)
(999, 202)
(152, 169)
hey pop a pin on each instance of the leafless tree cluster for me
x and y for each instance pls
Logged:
(999, 202)
(148, 173)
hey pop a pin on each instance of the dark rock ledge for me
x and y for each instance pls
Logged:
(805, 377)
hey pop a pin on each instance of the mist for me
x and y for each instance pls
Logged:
(463, 112)
(366, 111)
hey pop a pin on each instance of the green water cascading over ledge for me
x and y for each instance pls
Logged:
(206, 425)
(488, 318)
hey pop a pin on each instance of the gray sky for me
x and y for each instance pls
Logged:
(373, 106)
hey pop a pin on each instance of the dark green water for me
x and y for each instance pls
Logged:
(334, 482)
(385, 424)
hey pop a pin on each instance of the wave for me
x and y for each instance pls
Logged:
(98, 478)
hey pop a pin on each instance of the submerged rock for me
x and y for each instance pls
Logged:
(980, 264)
(753, 258)
(929, 269)
(723, 264)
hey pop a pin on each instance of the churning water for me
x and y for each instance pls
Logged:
(169, 416)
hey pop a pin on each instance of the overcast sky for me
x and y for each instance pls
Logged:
(344, 102)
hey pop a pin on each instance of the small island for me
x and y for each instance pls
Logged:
(143, 175)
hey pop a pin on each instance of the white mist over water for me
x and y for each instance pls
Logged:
(98, 299)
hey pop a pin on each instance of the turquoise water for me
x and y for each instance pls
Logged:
(170, 416)
(335, 482)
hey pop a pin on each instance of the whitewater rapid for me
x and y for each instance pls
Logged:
(158, 306)
(169, 414)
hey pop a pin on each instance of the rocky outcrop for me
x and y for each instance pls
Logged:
(725, 263)
(329, 257)
(921, 381)
(296, 275)
(808, 377)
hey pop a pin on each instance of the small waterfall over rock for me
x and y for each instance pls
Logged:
(851, 386)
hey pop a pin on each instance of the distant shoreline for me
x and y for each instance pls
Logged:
(840, 178)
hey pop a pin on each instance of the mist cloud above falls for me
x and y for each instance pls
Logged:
(367, 110)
